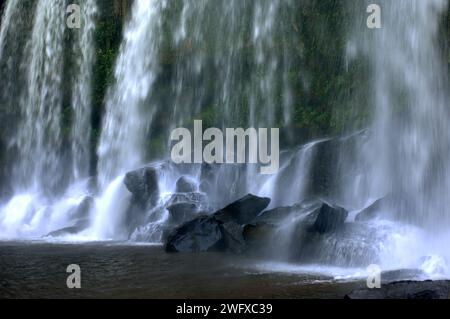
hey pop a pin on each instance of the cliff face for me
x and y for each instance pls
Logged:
(2, 5)
(122, 7)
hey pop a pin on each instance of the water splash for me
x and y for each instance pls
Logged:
(45, 181)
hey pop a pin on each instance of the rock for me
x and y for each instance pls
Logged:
(233, 236)
(75, 229)
(243, 211)
(405, 290)
(329, 154)
(185, 185)
(370, 212)
(328, 219)
(154, 232)
(64, 232)
(257, 233)
(402, 275)
(199, 235)
(182, 212)
(395, 204)
(83, 209)
(222, 231)
(197, 198)
(278, 215)
(143, 184)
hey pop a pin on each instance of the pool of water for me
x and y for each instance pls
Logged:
(114, 270)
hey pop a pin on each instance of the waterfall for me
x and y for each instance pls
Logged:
(9, 17)
(127, 116)
(38, 138)
(407, 156)
(82, 91)
(223, 70)
(47, 160)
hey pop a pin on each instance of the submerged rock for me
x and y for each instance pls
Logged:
(79, 217)
(405, 290)
(243, 211)
(78, 227)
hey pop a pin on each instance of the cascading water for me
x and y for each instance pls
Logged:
(407, 155)
(126, 120)
(224, 70)
(82, 92)
(231, 64)
(39, 147)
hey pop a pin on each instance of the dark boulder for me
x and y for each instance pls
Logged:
(199, 235)
(278, 215)
(243, 211)
(258, 237)
(328, 218)
(143, 184)
(394, 205)
(185, 185)
(221, 231)
(182, 211)
(78, 227)
(206, 233)
(328, 156)
(405, 290)
(233, 237)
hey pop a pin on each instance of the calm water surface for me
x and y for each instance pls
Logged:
(38, 270)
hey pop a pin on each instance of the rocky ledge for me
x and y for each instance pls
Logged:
(405, 290)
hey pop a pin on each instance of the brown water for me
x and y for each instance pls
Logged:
(37, 270)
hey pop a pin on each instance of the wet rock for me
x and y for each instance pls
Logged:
(221, 231)
(243, 211)
(143, 184)
(329, 154)
(278, 215)
(370, 212)
(186, 185)
(402, 275)
(395, 204)
(405, 290)
(154, 232)
(72, 230)
(328, 218)
(199, 235)
(83, 209)
(233, 236)
(182, 211)
(198, 198)
(257, 234)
